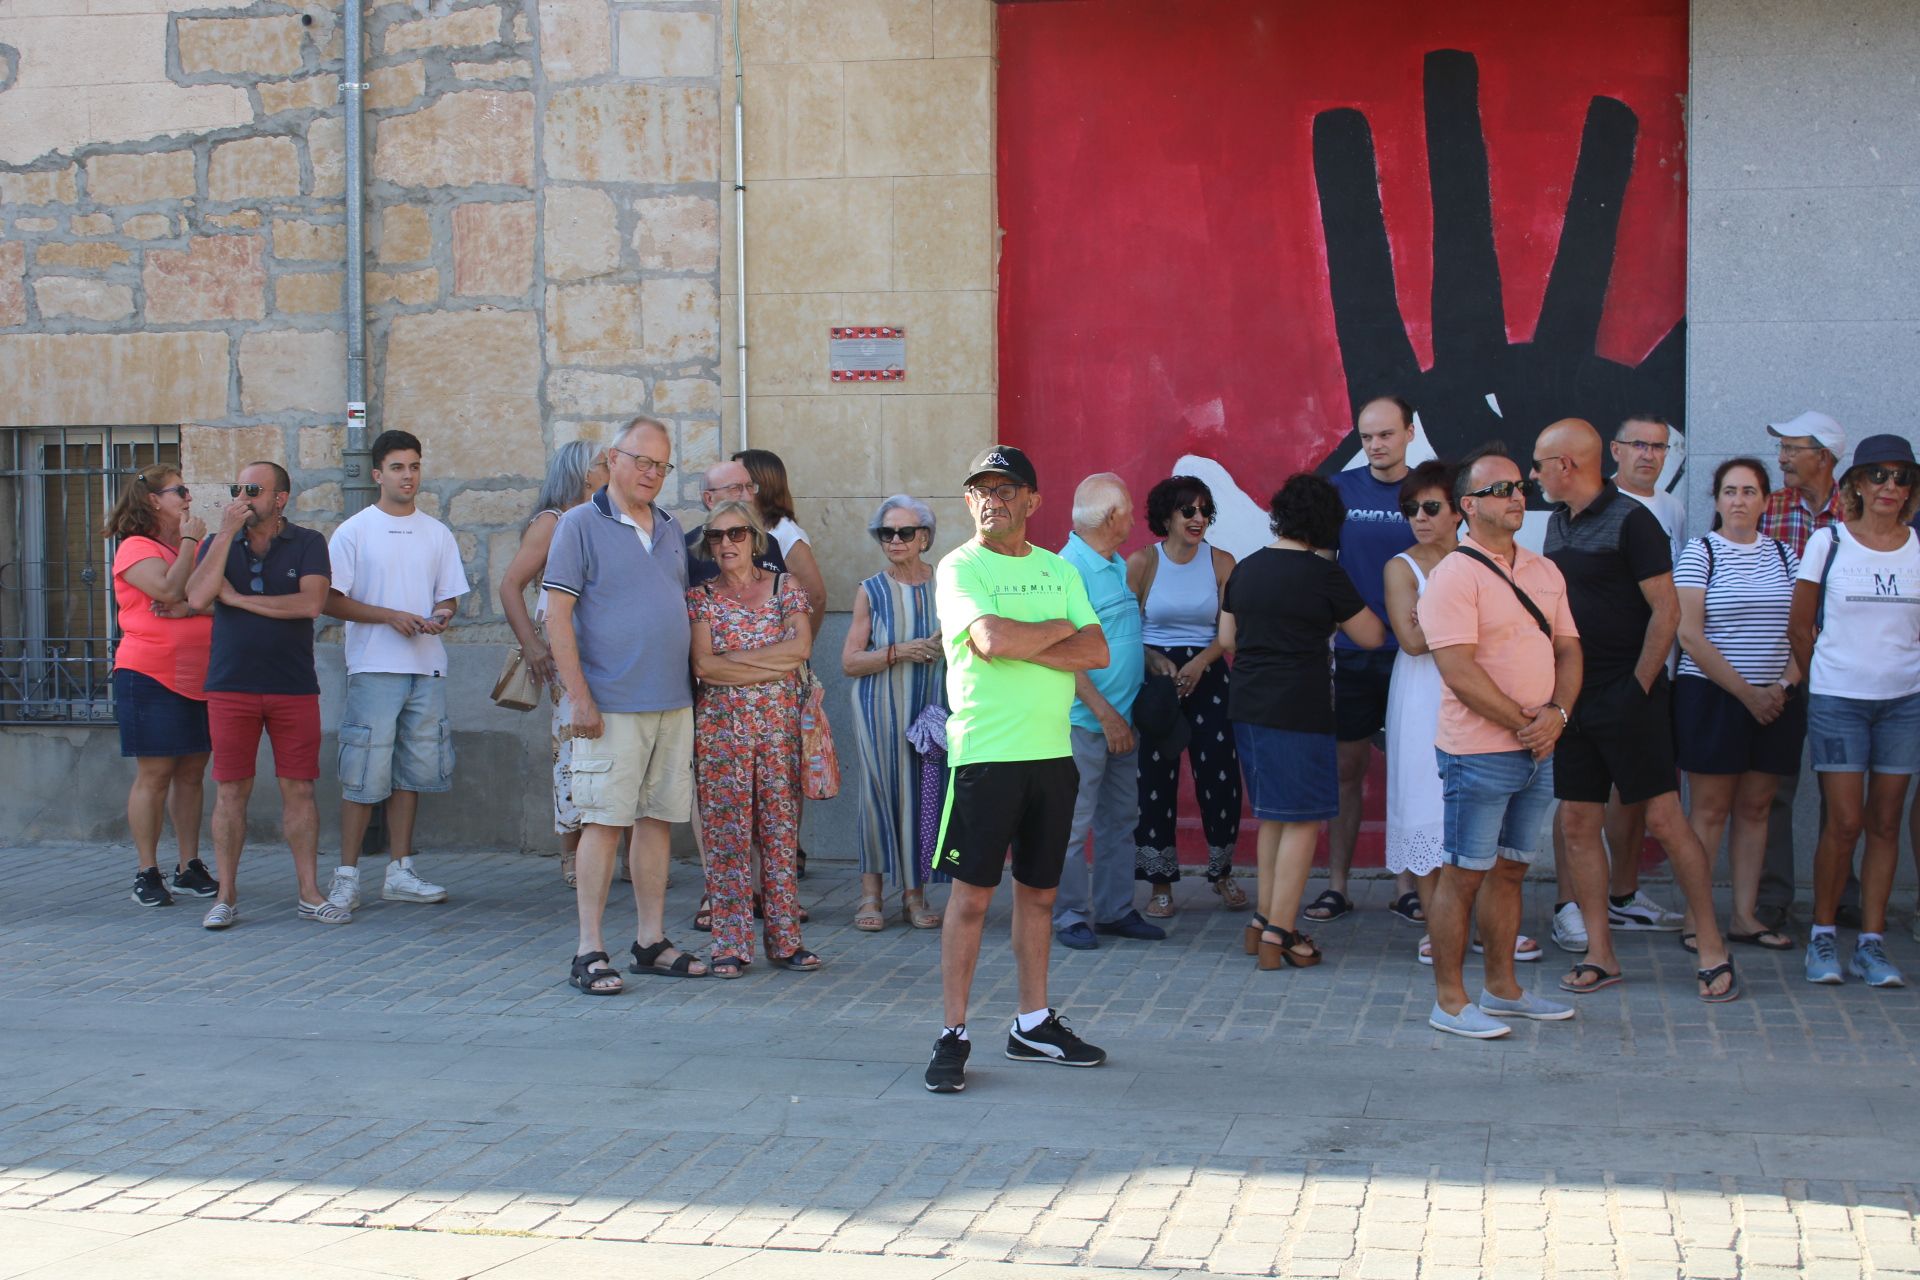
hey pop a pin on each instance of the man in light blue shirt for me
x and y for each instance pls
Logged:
(1105, 749)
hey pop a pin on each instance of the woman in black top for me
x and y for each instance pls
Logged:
(1281, 608)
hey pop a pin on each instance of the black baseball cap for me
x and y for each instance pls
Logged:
(1002, 460)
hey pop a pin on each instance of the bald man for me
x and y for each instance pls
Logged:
(1619, 572)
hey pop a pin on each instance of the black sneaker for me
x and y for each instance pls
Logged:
(149, 890)
(1052, 1041)
(947, 1073)
(196, 880)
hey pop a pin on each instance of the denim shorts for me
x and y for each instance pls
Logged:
(1864, 735)
(394, 736)
(156, 721)
(1291, 776)
(1497, 806)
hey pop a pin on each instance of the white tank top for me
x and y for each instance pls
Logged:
(1183, 605)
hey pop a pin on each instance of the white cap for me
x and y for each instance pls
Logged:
(1831, 435)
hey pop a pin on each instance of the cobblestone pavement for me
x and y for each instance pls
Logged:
(427, 1069)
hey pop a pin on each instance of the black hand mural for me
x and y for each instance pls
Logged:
(1557, 374)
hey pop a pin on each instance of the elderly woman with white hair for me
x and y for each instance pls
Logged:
(893, 656)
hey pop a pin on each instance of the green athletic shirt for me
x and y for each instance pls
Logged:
(1006, 709)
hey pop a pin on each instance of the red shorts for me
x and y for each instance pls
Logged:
(292, 722)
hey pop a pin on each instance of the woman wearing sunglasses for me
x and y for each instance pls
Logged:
(752, 632)
(893, 656)
(159, 677)
(1855, 630)
(1179, 582)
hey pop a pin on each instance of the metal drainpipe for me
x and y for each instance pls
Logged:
(740, 217)
(356, 463)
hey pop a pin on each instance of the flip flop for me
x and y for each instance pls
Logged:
(1407, 907)
(1332, 904)
(1601, 979)
(1785, 943)
(1707, 977)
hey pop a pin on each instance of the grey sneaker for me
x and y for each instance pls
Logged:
(344, 889)
(1529, 1005)
(1473, 1022)
(1823, 960)
(1871, 966)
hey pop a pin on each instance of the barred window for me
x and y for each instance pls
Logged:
(57, 616)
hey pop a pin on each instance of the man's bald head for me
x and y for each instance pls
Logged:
(727, 482)
(1566, 457)
(1574, 439)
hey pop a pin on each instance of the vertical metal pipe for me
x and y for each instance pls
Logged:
(357, 463)
(740, 217)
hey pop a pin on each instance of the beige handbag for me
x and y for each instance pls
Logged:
(515, 689)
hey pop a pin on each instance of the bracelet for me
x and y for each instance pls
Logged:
(1564, 720)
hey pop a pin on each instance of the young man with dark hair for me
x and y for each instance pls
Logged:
(396, 578)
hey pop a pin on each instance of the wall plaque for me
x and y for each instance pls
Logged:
(867, 353)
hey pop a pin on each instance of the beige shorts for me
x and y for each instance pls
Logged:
(641, 766)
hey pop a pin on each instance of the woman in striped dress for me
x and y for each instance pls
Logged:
(892, 654)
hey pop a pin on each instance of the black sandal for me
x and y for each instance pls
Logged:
(1783, 940)
(801, 961)
(647, 960)
(1707, 977)
(1407, 907)
(703, 916)
(588, 978)
(1333, 902)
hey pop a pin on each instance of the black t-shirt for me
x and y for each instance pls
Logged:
(1605, 553)
(252, 654)
(1285, 606)
(702, 568)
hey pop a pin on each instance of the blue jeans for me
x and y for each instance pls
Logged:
(394, 736)
(1864, 735)
(1107, 805)
(1497, 806)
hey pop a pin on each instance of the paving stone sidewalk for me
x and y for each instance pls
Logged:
(427, 1070)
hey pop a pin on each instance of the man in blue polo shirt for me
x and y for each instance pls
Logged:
(1105, 749)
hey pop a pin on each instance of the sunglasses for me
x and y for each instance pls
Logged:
(1189, 511)
(259, 569)
(905, 533)
(739, 533)
(1902, 477)
(180, 489)
(1504, 489)
(1432, 506)
(251, 490)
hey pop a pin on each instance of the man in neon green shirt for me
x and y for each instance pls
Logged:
(1016, 625)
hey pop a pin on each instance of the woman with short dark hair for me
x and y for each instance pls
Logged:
(1283, 604)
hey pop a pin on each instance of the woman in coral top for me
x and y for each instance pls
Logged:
(159, 670)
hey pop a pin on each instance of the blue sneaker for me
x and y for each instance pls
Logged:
(1078, 936)
(1529, 1005)
(1472, 1021)
(1823, 960)
(1870, 964)
(1133, 925)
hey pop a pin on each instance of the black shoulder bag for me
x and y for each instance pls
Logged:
(1526, 601)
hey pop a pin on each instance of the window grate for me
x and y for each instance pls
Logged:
(57, 615)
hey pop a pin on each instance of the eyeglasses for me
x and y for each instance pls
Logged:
(259, 583)
(645, 465)
(738, 533)
(1191, 510)
(1902, 477)
(995, 493)
(1505, 489)
(905, 533)
(1540, 464)
(1644, 446)
(1432, 506)
(1799, 448)
(180, 489)
(251, 490)
(747, 489)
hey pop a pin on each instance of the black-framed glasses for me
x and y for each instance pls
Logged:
(1644, 446)
(1192, 509)
(739, 533)
(996, 492)
(904, 533)
(259, 571)
(645, 465)
(1432, 506)
(251, 490)
(1902, 477)
(179, 489)
(1504, 489)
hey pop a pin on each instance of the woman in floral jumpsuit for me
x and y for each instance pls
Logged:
(751, 635)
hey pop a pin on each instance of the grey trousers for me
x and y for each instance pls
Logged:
(1107, 806)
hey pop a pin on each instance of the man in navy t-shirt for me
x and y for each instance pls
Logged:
(1374, 533)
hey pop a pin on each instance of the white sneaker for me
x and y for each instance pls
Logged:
(1643, 915)
(344, 890)
(1570, 929)
(405, 885)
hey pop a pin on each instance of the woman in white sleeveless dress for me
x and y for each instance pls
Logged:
(1415, 809)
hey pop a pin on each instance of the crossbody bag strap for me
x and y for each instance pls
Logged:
(1820, 612)
(1526, 601)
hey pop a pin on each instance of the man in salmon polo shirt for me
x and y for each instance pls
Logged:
(1499, 627)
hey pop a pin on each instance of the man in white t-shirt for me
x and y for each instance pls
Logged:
(396, 577)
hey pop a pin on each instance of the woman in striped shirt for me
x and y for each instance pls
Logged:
(1738, 710)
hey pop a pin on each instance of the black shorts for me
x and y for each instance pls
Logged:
(1360, 681)
(1718, 735)
(1023, 804)
(1619, 736)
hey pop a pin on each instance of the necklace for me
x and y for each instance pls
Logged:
(738, 592)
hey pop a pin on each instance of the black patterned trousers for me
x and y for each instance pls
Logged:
(1216, 782)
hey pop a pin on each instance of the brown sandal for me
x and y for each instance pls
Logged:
(1160, 904)
(1275, 954)
(1232, 896)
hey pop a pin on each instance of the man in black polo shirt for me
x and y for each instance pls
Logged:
(265, 579)
(1619, 571)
